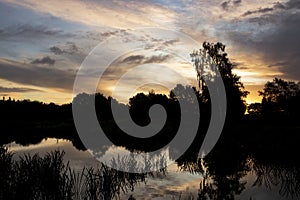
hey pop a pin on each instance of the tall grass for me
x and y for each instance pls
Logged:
(6, 173)
(34, 177)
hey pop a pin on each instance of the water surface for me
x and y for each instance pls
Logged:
(254, 181)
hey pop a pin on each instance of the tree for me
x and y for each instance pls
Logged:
(235, 90)
(280, 96)
(140, 105)
(255, 108)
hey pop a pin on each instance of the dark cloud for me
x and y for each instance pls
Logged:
(109, 33)
(36, 30)
(159, 44)
(29, 74)
(242, 68)
(293, 4)
(170, 42)
(161, 41)
(237, 2)
(135, 59)
(70, 48)
(227, 5)
(279, 5)
(27, 30)
(140, 59)
(56, 50)
(239, 65)
(99, 36)
(283, 46)
(258, 11)
(277, 64)
(276, 6)
(95, 35)
(279, 44)
(157, 59)
(44, 61)
(16, 89)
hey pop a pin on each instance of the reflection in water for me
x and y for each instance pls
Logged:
(286, 176)
(225, 175)
(48, 142)
(228, 175)
(130, 161)
(48, 177)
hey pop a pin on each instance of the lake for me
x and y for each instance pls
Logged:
(245, 179)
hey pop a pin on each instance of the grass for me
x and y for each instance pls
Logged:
(48, 178)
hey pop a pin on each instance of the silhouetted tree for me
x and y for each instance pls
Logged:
(254, 109)
(280, 97)
(141, 103)
(235, 90)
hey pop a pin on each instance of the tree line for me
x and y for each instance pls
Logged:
(30, 121)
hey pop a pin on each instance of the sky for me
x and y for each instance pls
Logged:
(44, 45)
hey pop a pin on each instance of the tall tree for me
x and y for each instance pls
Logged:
(235, 90)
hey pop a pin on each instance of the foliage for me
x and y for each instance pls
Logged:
(235, 90)
(281, 97)
(140, 104)
(254, 109)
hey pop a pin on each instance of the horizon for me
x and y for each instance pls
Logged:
(8, 98)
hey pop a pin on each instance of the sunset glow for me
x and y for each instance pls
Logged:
(44, 44)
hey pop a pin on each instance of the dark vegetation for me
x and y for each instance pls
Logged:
(34, 177)
(265, 141)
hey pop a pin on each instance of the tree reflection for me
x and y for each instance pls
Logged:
(221, 174)
(224, 173)
(286, 176)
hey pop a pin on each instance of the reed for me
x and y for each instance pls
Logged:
(48, 177)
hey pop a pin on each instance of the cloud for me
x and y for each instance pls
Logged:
(283, 46)
(157, 59)
(135, 59)
(276, 6)
(29, 74)
(44, 61)
(170, 42)
(293, 4)
(35, 31)
(159, 43)
(258, 11)
(70, 48)
(56, 50)
(110, 33)
(16, 89)
(141, 59)
(240, 65)
(226, 5)
(242, 68)
(237, 2)
(278, 43)
(279, 5)
(119, 14)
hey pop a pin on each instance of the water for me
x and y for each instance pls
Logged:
(250, 179)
